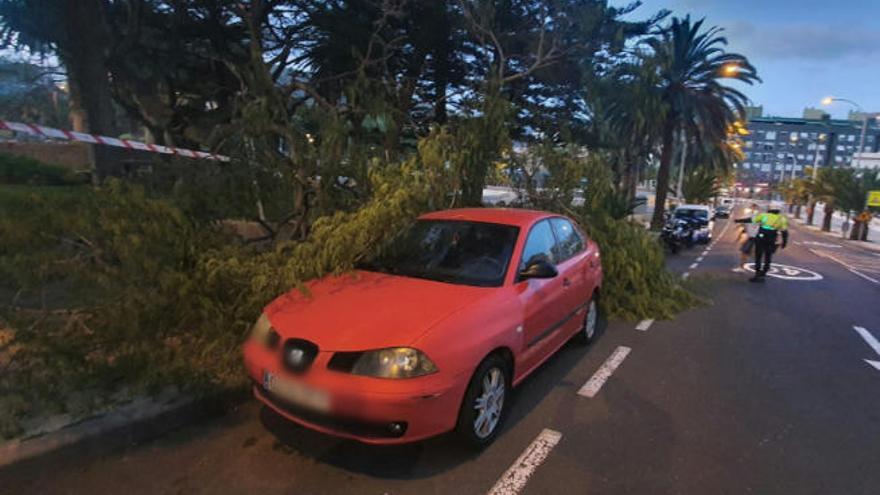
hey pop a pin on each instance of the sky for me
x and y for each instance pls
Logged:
(804, 50)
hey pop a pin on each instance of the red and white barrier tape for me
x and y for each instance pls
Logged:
(49, 132)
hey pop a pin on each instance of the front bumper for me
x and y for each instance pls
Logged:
(362, 408)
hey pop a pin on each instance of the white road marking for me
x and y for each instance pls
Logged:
(844, 264)
(515, 478)
(870, 339)
(685, 275)
(705, 252)
(787, 272)
(875, 364)
(644, 325)
(594, 384)
(869, 279)
(694, 265)
(820, 244)
(699, 259)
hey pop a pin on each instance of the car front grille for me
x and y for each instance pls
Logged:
(342, 425)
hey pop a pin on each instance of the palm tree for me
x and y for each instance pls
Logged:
(692, 62)
(700, 185)
(628, 116)
(832, 187)
(854, 197)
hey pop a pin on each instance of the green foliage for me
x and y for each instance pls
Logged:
(700, 185)
(480, 142)
(16, 169)
(115, 288)
(692, 67)
(636, 284)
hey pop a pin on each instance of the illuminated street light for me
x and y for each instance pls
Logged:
(730, 70)
(831, 99)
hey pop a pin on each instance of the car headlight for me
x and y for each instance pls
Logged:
(395, 362)
(263, 332)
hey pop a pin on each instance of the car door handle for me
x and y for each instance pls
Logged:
(566, 282)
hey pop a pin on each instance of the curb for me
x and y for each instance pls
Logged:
(136, 422)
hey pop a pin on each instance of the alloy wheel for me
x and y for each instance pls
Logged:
(489, 403)
(590, 320)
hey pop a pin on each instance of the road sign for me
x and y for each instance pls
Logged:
(873, 198)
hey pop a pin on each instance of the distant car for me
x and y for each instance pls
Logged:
(722, 211)
(431, 335)
(702, 216)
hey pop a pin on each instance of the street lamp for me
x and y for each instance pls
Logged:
(730, 69)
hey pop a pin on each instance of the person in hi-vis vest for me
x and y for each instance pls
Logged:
(770, 224)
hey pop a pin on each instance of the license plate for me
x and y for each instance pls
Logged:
(297, 393)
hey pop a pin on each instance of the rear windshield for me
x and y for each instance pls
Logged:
(691, 213)
(457, 252)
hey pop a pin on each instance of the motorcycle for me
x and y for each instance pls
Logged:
(676, 234)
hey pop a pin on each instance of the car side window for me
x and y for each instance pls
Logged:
(539, 245)
(569, 240)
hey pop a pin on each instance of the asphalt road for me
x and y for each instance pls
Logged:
(764, 390)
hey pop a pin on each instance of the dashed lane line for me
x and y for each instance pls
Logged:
(515, 478)
(594, 384)
(694, 265)
(644, 325)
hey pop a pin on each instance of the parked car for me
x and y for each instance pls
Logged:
(701, 216)
(430, 336)
(722, 212)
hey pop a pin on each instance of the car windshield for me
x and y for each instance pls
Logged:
(458, 252)
(691, 213)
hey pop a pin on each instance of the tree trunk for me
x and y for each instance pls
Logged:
(659, 218)
(856, 230)
(826, 221)
(865, 227)
(442, 61)
(84, 55)
(797, 211)
(811, 211)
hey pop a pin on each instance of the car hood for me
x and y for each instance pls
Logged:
(367, 310)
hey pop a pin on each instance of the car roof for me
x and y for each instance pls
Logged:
(507, 216)
(692, 207)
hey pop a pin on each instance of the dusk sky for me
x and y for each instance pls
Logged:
(804, 50)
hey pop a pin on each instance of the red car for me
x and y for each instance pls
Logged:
(431, 335)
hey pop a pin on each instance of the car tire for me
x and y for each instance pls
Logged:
(474, 432)
(590, 325)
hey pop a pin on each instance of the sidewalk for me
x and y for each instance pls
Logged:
(837, 220)
(873, 243)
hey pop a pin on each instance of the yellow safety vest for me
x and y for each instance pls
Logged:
(771, 221)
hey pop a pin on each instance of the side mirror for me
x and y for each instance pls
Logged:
(538, 269)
